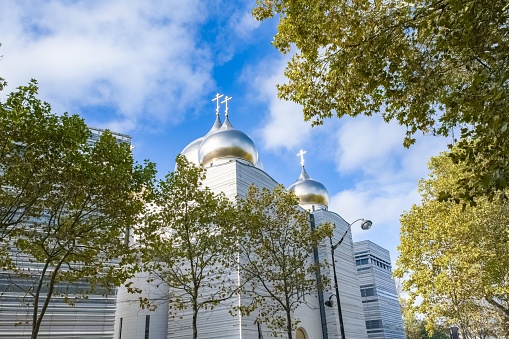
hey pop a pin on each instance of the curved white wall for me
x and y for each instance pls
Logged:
(131, 319)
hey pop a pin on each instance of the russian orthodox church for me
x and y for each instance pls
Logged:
(232, 165)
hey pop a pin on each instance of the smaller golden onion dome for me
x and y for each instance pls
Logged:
(226, 143)
(310, 192)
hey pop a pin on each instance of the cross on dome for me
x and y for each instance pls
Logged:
(216, 99)
(225, 102)
(301, 155)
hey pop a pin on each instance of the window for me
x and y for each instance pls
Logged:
(147, 326)
(373, 324)
(367, 292)
(361, 261)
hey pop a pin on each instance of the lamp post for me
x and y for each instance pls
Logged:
(365, 225)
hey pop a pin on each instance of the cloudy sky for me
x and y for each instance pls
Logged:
(150, 69)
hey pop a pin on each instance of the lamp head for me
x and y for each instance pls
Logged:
(329, 302)
(366, 224)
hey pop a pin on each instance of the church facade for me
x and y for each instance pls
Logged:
(232, 166)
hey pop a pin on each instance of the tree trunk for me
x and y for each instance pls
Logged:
(289, 324)
(37, 295)
(195, 326)
(36, 324)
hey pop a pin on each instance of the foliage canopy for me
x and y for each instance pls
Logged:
(65, 204)
(455, 258)
(431, 65)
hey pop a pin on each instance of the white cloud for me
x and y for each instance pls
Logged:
(387, 175)
(366, 142)
(375, 149)
(383, 204)
(243, 24)
(283, 125)
(121, 55)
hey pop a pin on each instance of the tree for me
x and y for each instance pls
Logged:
(416, 328)
(431, 65)
(188, 242)
(456, 257)
(28, 146)
(275, 256)
(65, 204)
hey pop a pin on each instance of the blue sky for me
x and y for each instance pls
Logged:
(150, 69)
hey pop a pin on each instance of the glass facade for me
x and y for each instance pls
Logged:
(378, 291)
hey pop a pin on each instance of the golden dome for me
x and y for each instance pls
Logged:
(225, 143)
(191, 150)
(310, 192)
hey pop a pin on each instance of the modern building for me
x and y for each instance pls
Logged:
(89, 317)
(378, 291)
(97, 132)
(232, 165)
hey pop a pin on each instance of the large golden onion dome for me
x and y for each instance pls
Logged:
(259, 164)
(191, 150)
(227, 143)
(311, 193)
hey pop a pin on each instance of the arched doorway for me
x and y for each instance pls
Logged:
(301, 334)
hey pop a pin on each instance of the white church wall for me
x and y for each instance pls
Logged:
(233, 178)
(307, 313)
(131, 321)
(309, 316)
(222, 178)
(348, 285)
(215, 323)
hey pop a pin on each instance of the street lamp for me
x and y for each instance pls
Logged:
(365, 225)
(453, 331)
